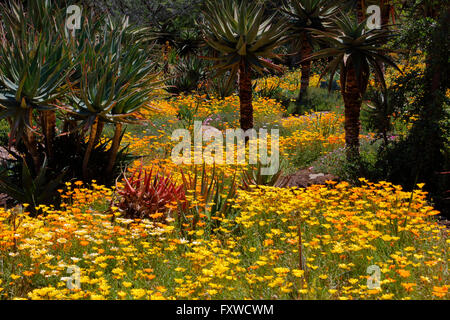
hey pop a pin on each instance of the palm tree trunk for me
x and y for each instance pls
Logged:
(114, 149)
(245, 97)
(30, 143)
(306, 70)
(353, 100)
(101, 125)
(385, 7)
(360, 7)
(48, 123)
(90, 146)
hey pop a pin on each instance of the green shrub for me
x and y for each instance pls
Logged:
(317, 99)
(4, 131)
(336, 164)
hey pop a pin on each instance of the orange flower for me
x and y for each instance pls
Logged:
(440, 291)
(156, 215)
(404, 273)
(408, 286)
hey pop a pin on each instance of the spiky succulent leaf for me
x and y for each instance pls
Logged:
(239, 31)
(352, 46)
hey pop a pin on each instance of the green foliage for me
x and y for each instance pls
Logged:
(208, 193)
(33, 190)
(4, 132)
(376, 114)
(272, 91)
(423, 154)
(238, 30)
(50, 79)
(336, 163)
(34, 63)
(352, 46)
(187, 115)
(317, 100)
(188, 74)
(115, 80)
(254, 177)
(221, 86)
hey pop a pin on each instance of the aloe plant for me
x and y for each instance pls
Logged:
(208, 193)
(116, 81)
(253, 177)
(146, 193)
(246, 40)
(34, 65)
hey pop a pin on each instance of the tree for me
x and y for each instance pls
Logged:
(304, 16)
(360, 10)
(245, 41)
(354, 52)
(34, 64)
(116, 81)
(387, 10)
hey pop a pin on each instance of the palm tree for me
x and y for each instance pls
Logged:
(354, 52)
(303, 16)
(245, 40)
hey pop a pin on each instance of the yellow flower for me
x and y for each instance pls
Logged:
(298, 273)
(212, 292)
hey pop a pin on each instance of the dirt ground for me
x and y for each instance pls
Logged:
(307, 177)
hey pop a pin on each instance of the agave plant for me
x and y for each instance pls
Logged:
(246, 41)
(304, 16)
(221, 86)
(354, 51)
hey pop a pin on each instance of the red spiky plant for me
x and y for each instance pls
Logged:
(146, 194)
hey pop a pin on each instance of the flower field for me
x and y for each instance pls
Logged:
(252, 253)
(344, 230)
(226, 150)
